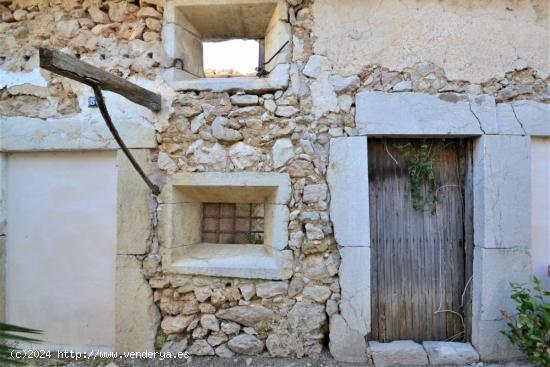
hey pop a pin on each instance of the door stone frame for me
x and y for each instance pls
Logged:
(136, 315)
(502, 204)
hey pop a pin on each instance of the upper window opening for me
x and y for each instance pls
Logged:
(237, 57)
(251, 31)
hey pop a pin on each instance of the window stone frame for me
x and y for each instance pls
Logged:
(182, 40)
(179, 227)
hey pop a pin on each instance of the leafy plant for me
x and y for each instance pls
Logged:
(7, 337)
(255, 239)
(530, 329)
(422, 160)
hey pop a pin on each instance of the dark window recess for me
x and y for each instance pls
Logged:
(233, 223)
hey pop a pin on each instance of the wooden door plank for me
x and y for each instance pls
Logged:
(408, 246)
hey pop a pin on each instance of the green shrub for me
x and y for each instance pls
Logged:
(530, 329)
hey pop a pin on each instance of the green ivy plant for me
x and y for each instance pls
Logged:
(7, 337)
(421, 160)
(530, 329)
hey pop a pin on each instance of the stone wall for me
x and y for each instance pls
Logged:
(287, 130)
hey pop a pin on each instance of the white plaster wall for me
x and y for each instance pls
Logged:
(540, 193)
(471, 40)
(61, 247)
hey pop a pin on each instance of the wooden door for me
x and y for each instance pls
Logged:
(421, 259)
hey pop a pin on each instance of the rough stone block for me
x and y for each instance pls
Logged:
(534, 116)
(346, 344)
(315, 66)
(343, 84)
(348, 180)
(282, 152)
(271, 289)
(244, 100)
(354, 275)
(494, 269)
(134, 211)
(398, 353)
(380, 113)
(446, 353)
(315, 193)
(136, 315)
(502, 191)
(489, 342)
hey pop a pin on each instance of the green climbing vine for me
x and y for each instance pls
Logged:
(422, 159)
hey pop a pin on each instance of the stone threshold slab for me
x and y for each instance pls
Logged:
(410, 353)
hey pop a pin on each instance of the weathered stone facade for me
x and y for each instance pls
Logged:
(291, 127)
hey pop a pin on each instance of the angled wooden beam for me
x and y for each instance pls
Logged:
(71, 67)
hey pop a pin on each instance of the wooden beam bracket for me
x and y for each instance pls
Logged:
(71, 67)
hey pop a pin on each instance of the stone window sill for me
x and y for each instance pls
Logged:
(230, 260)
(276, 80)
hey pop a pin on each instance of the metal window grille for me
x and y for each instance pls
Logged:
(233, 223)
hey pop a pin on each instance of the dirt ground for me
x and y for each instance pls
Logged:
(323, 360)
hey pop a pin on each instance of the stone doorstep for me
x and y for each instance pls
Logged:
(410, 353)
(445, 353)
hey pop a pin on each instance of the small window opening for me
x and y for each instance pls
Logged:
(233, 223)
(229, 58)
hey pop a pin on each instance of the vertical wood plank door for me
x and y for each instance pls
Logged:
(421, 259)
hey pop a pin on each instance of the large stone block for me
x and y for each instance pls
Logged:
(502, 192)
(134, 206)
(354, 275)
(275, 38)
(85, 132)
(508, 124)
(450, 353)
(346, 344)
(534, 116)
(180, 43)
(348, 180)
(136, 315)
(233, 187)
(2, 278)
(3, 192)
(398, 353)
(277, 79)
(237, 261)
(276, 226)
(491, 344)
(380, 113)
(484, 109)
(494, 269)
